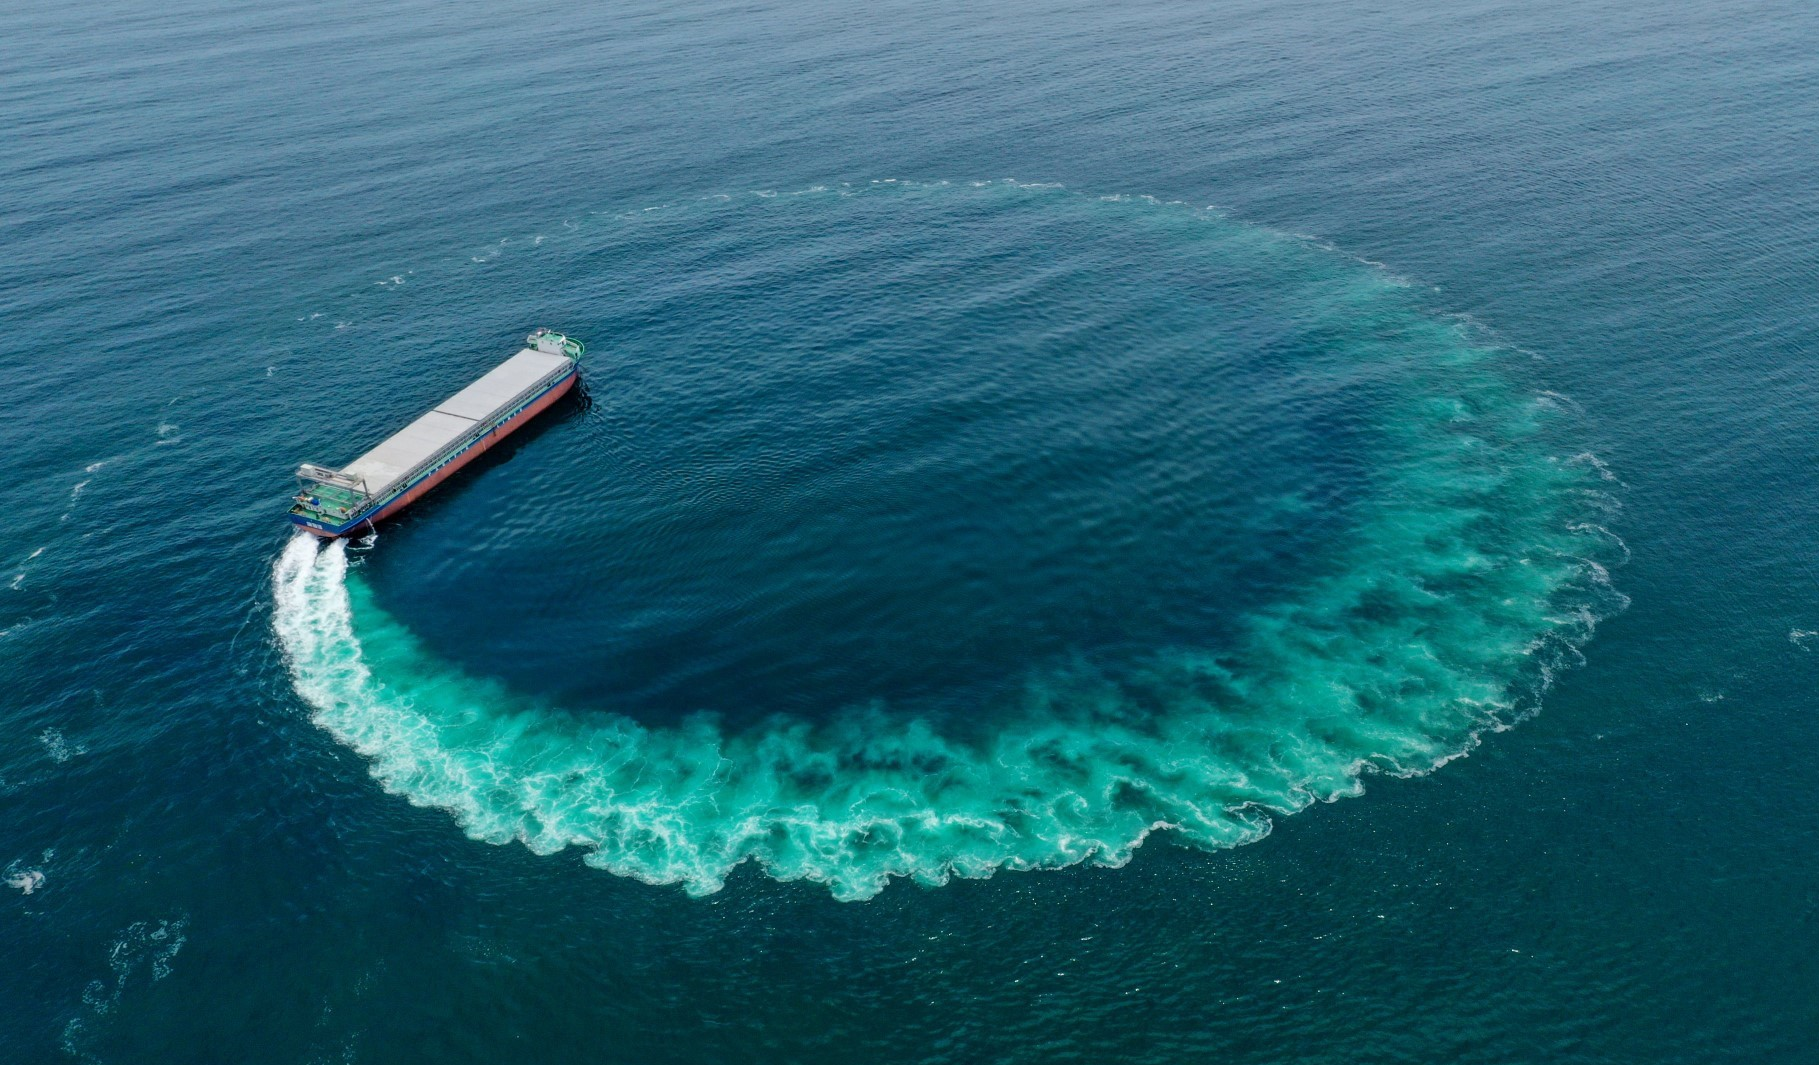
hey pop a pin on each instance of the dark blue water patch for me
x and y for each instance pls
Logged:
(1626, 193)
(1467, 575)
(897, 446)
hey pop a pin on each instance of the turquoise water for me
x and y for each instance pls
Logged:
(984, 487)
(1032, 466)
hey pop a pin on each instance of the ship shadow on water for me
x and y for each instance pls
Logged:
(574, 404)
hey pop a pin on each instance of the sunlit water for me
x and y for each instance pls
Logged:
(1030, 461)
(1217, 394)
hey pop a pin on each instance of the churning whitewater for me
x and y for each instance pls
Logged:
(1468, 571)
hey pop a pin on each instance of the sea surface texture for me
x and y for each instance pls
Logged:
(1109, 533)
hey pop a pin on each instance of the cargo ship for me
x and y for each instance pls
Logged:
(428, 451)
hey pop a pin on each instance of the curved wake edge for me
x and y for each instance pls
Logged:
(1471, 576)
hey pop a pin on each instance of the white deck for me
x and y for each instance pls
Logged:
(502, 384)
(452, 419)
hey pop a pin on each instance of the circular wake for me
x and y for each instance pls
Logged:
(1468, 571)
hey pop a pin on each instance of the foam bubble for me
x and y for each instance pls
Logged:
(143, 947)
(60, 749)
(25, 881)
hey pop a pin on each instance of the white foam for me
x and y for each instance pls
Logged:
(149, 946)
(1560, 399)
(60, 749)
(687, 805)
(1586, 458)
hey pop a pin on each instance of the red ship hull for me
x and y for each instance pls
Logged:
(473, 451)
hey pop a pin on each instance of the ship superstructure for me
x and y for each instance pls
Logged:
(385, 480)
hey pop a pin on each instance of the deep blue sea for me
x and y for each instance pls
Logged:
(1247, 532)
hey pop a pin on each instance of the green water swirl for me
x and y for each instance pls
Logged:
(1469, 573)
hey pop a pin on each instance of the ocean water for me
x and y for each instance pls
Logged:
(1269, 532)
